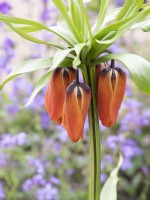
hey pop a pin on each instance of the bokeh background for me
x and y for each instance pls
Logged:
(37, 160)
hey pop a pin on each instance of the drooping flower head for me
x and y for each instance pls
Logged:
(111, 89)
(67, 100)
(55, 94)
(76, 105)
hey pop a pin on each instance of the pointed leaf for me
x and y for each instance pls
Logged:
(65, 34)
(124, 9)
(111, 15)
(59, 57)
(112, 32)
(60, 31)
(101, 16)
(28, 66)
(78, 48)
(137, 66)
(86, 24)
(31, 38)
(134, 8)
(40, 84)
(109, 190)
(144, 25)
(29, 26)
(125, 26)
(61, 7)
(16, 20)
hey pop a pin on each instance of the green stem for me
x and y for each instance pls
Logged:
(94, 140)
(89, 75)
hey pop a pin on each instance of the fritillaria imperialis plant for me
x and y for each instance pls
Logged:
(85, 50)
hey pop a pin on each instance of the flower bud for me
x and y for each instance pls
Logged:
(55, 93)
(111, 89)
(100, 68)
(76, 105)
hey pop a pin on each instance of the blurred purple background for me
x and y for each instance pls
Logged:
(37, 160)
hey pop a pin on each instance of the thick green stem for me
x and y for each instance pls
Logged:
(94, 140)
(94, 134)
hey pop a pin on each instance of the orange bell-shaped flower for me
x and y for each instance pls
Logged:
(76, 105)
(111, 89)
(100, 68)
(55, 93)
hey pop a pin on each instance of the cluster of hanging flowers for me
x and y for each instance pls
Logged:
(67, 100)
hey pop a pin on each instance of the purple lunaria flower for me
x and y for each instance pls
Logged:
(62, 135)
(131, 149)
(39, 167)
(5, 7)
(127, 164)
(45, 120)
(103, 177)
(12, 109)
(120, 2)
(27, 185)
(9, 47)
(3, 160)
(20, 139)
(48, 193)
(11, 141)
(3, 62)
(38, 179)
(108, 158)
(54, 180)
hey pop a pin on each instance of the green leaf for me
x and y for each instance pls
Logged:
(30, 26)
(59, 57)
(125, 26)
(16, 20)
(144, 25)
(78, 48)
(28, 66)
(109, 190)
(65, 35)
(112, 32)
(76, 13)
(138, 67)
(60, 31)
(60, 5)
(134, 8)
(80, 19)
(111, 15)
(124, 9)
(110, 28)
(101, 16)
(86, 26)
(40, 84)
(31, 38)
(130, 8)
(62, 23)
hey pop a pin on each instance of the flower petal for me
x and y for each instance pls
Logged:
(105, 94)
(111, 89)
(118, 95)
(55, 94)
(76, 105)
